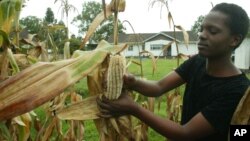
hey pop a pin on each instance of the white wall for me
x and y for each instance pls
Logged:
(242, 55)
(135, 52)
(155, 52)
(190, 50)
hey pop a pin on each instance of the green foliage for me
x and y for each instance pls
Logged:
(196, 27)
(9, 12)
(60, 36)
(49, 17)
(164, 66)
(74, 44)
(37, 26)
(89, 12)
(91, 133)
(32, 24)
(81, 87)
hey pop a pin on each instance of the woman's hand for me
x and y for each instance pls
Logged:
(129, 81)
(124, 105)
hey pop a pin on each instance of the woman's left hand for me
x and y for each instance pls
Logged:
(124, 105)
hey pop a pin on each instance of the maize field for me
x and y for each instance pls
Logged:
(31, 81)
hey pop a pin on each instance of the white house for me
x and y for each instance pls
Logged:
(242, 55)
(154, 43)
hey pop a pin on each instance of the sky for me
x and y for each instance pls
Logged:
(143, 17)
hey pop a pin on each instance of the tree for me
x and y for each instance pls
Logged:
(32, 23)
(65, 9)
(60, 36)
(89, 12)
(196, 27)
(49, 17)
(74, 43)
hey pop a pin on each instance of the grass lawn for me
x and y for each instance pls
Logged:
(163, 67)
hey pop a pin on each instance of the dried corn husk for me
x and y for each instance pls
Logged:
(118, 5)
(83, 110)
(242, 113)
(43, 81)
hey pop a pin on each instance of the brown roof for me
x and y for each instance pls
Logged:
(143, 37)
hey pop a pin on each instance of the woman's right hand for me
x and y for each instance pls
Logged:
(129, 81)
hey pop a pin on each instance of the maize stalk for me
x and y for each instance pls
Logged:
(116, 70)
(43, 81)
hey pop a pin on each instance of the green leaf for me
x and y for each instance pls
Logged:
(13, 62)
(7, 14)
(5, 131)
(4, 39)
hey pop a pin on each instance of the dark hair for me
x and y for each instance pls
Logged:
(238, 18)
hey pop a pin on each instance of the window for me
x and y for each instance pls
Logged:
(130, 48)
(156, 47)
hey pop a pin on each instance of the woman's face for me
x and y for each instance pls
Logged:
(215, 38)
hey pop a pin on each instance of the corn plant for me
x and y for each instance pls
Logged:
(174, 100)
(27, 84)
(44, 84)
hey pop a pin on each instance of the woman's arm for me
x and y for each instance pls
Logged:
(153, 88)
(196, 128)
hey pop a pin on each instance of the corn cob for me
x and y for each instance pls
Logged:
(116, 70)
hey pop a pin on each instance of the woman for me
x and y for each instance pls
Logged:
(214, 86)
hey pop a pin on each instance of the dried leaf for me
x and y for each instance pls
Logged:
(24, 131)
(29, 39)
(170, 18)
(84, 110)
(19, 121)
(152, 57)
(118, 5)
(185, 34)
(183, 56)
(241, 115)
(49, 130)
(4, 66)
(135, 62)
(151, 103)
(44, 81)
(115, 125)
(96, 22)
(35, 52)
(66, 50)
(165, 47)
(174, 104)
